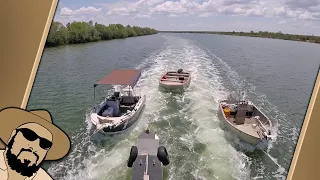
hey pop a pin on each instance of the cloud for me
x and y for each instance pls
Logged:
(205, 15)
(190, 7)
(162, 13)
(235, 2)
(172, 15)
(143, 16)
(302, 4)
(282, 22)
(169, 7)
(81, 11)
(123, 11)
(297, 9)
(66, 14)
(296, 14)
(140, 8)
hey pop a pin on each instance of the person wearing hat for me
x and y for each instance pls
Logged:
(30, 138)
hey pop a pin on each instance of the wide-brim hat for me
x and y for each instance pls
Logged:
(12, 118)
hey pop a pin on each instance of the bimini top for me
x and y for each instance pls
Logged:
(121, 77)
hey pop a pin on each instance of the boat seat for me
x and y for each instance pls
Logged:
(177, 74)
(249, 110)
(108, 112)
(115, 107)
(241, 114)
(128, 100)
(101, 108)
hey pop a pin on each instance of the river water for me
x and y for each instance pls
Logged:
(278, 76)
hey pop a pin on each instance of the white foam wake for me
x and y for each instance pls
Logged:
(198, 109)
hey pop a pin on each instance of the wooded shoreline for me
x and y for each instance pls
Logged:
(261, 34)
(84, 32)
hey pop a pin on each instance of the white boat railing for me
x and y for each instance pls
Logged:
(111, 122)
(263, 129)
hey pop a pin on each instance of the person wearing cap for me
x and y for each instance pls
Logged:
(29, 138)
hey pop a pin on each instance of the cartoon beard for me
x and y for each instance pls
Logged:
(20, 167)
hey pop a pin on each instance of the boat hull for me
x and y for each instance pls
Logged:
(128, 120)
(241, 135)
(255, 141)
(126, 124)
(163, 86)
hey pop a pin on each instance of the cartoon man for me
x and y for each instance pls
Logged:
(30, 138)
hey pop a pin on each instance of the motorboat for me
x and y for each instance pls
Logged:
(175, 81)
(246, 121)
(123, 108)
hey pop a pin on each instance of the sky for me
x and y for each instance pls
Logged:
(287, 16)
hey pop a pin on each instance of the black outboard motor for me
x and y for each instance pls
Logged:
(147, 156)
(181, 78)
(180, 71)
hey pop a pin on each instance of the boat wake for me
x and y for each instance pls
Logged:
(187, 124)
(245, 89)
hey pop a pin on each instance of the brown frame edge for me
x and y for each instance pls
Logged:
(303, 150)
(39, 54)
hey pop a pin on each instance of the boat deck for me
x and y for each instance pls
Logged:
(148, 146)
(247, 127)
(174, 74)
(172, 82)
(148, 164)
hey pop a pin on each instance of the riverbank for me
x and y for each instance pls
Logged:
(261, 34)
(84, 32)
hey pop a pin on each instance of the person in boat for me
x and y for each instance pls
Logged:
(114, 103)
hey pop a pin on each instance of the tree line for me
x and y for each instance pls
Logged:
(83, 32)
(262, 34)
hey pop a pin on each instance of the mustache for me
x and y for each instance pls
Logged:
(29, 150)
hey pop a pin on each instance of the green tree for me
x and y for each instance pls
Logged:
(82, 32)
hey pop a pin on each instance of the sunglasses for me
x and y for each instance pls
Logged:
(32, 136)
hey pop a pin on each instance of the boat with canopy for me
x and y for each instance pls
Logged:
(122, 109)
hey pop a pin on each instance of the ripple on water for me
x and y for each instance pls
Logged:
(187, 124)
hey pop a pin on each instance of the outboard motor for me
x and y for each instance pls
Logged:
(180, 71)
(147, 156)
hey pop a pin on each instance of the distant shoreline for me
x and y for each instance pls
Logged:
(96, 41)
(260, 34)
(86, 32)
